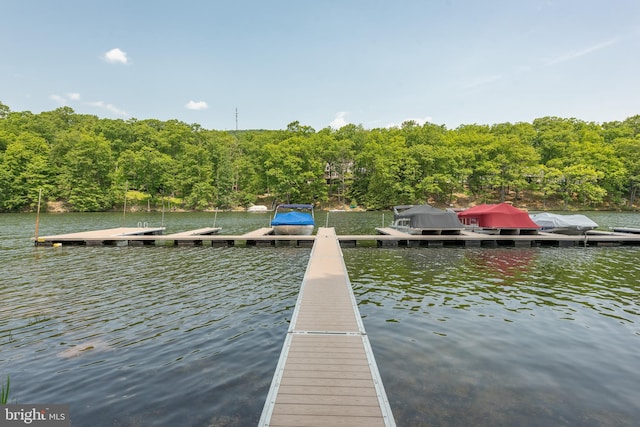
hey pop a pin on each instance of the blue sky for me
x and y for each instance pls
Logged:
(323, 63)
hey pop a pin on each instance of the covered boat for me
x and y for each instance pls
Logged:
(501, 218)
(563, 224)
(425, 219)
(294, 221)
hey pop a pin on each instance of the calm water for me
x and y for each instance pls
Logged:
(190, 336)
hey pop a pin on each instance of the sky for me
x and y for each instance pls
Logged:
(323, 63)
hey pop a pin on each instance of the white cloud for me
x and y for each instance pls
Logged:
(59, 99)
(340, 120)
(419, 121)
(64, 100)
(109, 107)
(196, 105)
(116, 55)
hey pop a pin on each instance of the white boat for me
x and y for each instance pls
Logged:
(291, 219)
(257, 209)
(563, 224)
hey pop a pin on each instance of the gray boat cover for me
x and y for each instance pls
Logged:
(550, 220)
(426, 216)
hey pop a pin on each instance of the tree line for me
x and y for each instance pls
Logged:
(90, 163)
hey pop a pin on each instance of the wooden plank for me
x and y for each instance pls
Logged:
(311, 339)
(324, 410)
(322, 381)
(327, 399)
(333, 370)
(290, 374)
(324, 351)
(326, 390)
(324, 421)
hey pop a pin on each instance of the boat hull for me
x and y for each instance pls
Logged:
(563, 224)
(426, 231)
(293, 230)
(571, 231)
(257, 209)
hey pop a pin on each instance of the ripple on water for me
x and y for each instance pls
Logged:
(504, 336)
(141, 335)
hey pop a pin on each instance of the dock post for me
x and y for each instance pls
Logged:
(38, 216)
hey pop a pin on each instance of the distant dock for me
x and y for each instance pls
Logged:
(385, 237)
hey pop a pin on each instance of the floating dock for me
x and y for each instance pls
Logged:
(192, 237)
(326, 374)
(468, 238)
(141, 236)
(111, 236)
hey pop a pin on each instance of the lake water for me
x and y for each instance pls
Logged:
(190, 336)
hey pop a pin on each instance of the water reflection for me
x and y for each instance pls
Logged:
(502, 265)
(504, 336)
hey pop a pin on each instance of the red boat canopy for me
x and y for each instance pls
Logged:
(502, 215)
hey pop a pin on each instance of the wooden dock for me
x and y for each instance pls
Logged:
(111, 236)
(468, 238)
(138, 236)
(327, 374)
(192, 237)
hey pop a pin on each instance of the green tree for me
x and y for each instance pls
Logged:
(384, 173)
(443, 168)
(25, 172)
(195, 175)
(553, 135)
(4, 111)
(295, 169)
(146, 170)
(628, 151)
(581, 182)
(550, 181)
(85, 175)
(512, 158)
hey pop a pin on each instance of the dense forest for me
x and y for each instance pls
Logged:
(85, 163)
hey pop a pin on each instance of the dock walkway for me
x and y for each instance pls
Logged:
(192, 237)
(327, 374)
(207, 231)
(385, 237)
(100, 237)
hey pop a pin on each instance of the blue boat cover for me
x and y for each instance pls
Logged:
(293, 218)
